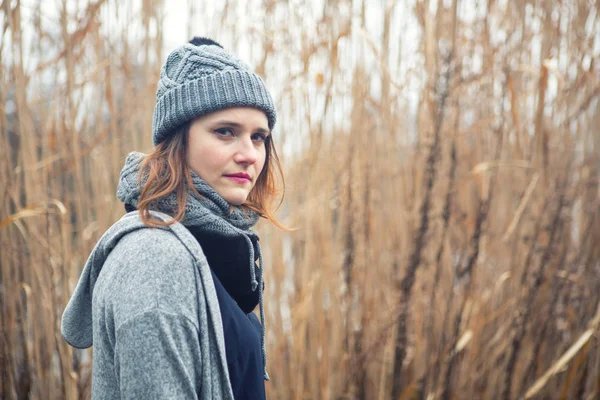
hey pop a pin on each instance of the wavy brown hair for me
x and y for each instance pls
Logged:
(166, 171)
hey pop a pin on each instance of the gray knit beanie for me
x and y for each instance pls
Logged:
(201, 77)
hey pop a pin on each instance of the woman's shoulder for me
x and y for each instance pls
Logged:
(151, 248)
(149, 268)
(159, 241)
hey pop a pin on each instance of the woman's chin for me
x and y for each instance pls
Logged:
(235, 197)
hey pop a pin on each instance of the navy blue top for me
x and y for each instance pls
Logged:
(242, 347)
(228, 261)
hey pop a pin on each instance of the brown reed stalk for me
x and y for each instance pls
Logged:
(531, 369)
(558, 291)
(407, 282)
(521, 318)
(460, 274)
(465, 272)
(434, 362)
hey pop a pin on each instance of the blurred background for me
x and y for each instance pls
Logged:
(441, 161)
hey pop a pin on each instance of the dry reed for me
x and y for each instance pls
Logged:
(442, 161)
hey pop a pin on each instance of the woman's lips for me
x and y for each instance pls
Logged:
(238, 179)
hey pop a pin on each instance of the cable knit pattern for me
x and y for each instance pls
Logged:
(209, 213)
(199, 79)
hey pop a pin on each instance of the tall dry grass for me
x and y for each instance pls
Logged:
(442, 161)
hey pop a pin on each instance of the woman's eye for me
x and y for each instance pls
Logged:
(259, 137)
(224, 132)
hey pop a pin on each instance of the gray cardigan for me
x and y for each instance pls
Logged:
(147, 302)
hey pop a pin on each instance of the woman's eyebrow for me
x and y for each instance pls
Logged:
(240, 126)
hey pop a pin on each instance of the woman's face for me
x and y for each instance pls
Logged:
(226, 148)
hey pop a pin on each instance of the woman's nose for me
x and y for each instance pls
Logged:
(246, 152)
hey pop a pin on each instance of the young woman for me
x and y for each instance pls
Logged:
(167, 295)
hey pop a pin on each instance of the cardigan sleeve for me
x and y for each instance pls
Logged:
(157, 356)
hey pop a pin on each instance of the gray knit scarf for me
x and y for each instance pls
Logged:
(209, 213)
